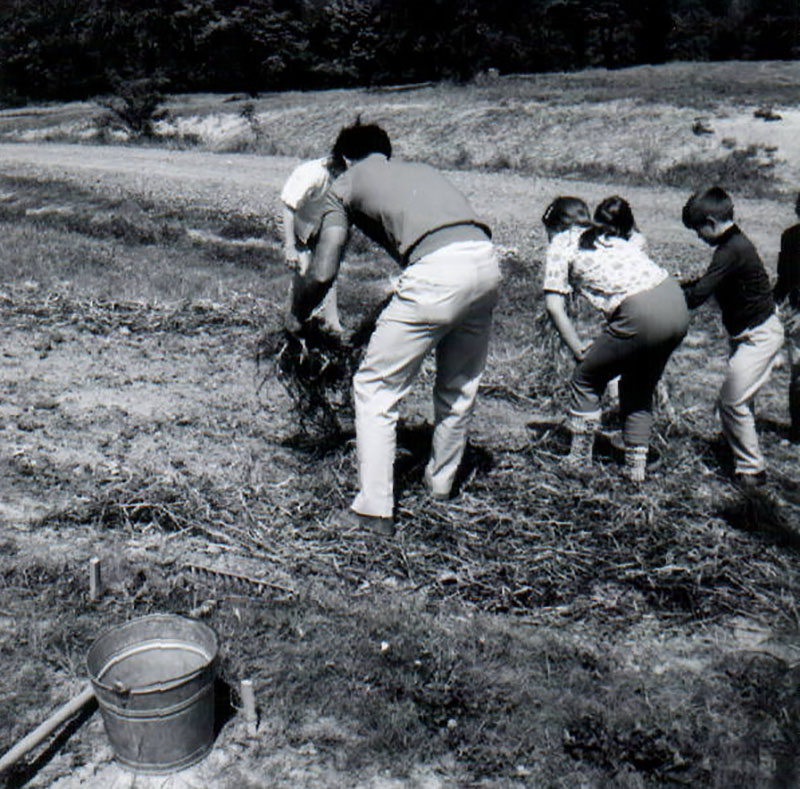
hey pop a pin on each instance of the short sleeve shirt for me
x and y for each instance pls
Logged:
(402, 206)
(606, 275)
(304, 192)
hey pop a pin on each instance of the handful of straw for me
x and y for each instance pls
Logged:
(316, 367)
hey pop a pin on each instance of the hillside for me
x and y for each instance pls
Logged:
(635, 125)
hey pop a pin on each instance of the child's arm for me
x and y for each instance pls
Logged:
(289, 244)
(556, 308)
(699, 289)
(788, 265)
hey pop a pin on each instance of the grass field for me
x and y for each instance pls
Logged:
(632, 126)
(534, 632)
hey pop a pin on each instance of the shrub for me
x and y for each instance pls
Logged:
(135, 107)
(751, 169)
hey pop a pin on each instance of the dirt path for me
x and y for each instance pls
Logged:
(250, 184)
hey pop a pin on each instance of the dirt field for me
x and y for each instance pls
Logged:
(135, 426)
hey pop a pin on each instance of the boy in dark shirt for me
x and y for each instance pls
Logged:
(787, 289)
(737, 279)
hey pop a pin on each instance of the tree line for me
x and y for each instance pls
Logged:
(73, 49)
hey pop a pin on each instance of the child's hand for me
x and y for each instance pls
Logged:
(292, 257)
(580, 352)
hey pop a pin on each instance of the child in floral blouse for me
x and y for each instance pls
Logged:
(645, 312)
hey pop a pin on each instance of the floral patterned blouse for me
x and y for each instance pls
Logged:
(606, 275)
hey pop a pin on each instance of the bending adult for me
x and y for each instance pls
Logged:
(443, 300)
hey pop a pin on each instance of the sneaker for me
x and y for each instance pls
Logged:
(374, 523)
(748, 481)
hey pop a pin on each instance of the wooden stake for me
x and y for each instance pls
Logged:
(95, 586)
(249, 703)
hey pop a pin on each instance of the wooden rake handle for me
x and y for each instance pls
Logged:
(45, 729)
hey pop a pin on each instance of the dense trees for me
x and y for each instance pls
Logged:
(62, 49)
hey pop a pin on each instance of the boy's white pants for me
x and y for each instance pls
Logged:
(443, 300)
(753, 353)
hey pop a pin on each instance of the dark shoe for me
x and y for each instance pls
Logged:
(374, 523)
(749, 481)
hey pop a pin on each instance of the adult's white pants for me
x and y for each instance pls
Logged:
(443, 301)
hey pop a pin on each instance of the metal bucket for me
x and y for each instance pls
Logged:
(154, 682)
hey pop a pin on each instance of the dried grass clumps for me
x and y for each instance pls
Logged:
(315, 367)
(36, 310)
(519, 539)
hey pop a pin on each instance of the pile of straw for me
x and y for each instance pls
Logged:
(316, 367)
(519, 540)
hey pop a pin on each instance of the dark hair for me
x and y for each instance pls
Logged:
(615, 213)
(612, 217)
(565, 212)
(712, 203)
(797, 205)
(360, 140)
(336, 164)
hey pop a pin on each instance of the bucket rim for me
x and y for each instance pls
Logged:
(154, 687)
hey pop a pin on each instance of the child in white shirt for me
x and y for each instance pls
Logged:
(302, 196)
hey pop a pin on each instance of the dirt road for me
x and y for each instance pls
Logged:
(250, 184)
(226, 183)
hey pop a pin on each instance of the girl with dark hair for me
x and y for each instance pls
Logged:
(646, 318)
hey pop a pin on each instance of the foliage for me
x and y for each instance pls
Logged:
(748, 170)
(64, 49)
(135, 107)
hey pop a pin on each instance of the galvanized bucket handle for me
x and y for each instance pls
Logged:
(120, 689)
(156, 687)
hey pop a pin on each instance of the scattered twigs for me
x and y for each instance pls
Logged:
(102, 316)
(520, 539)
